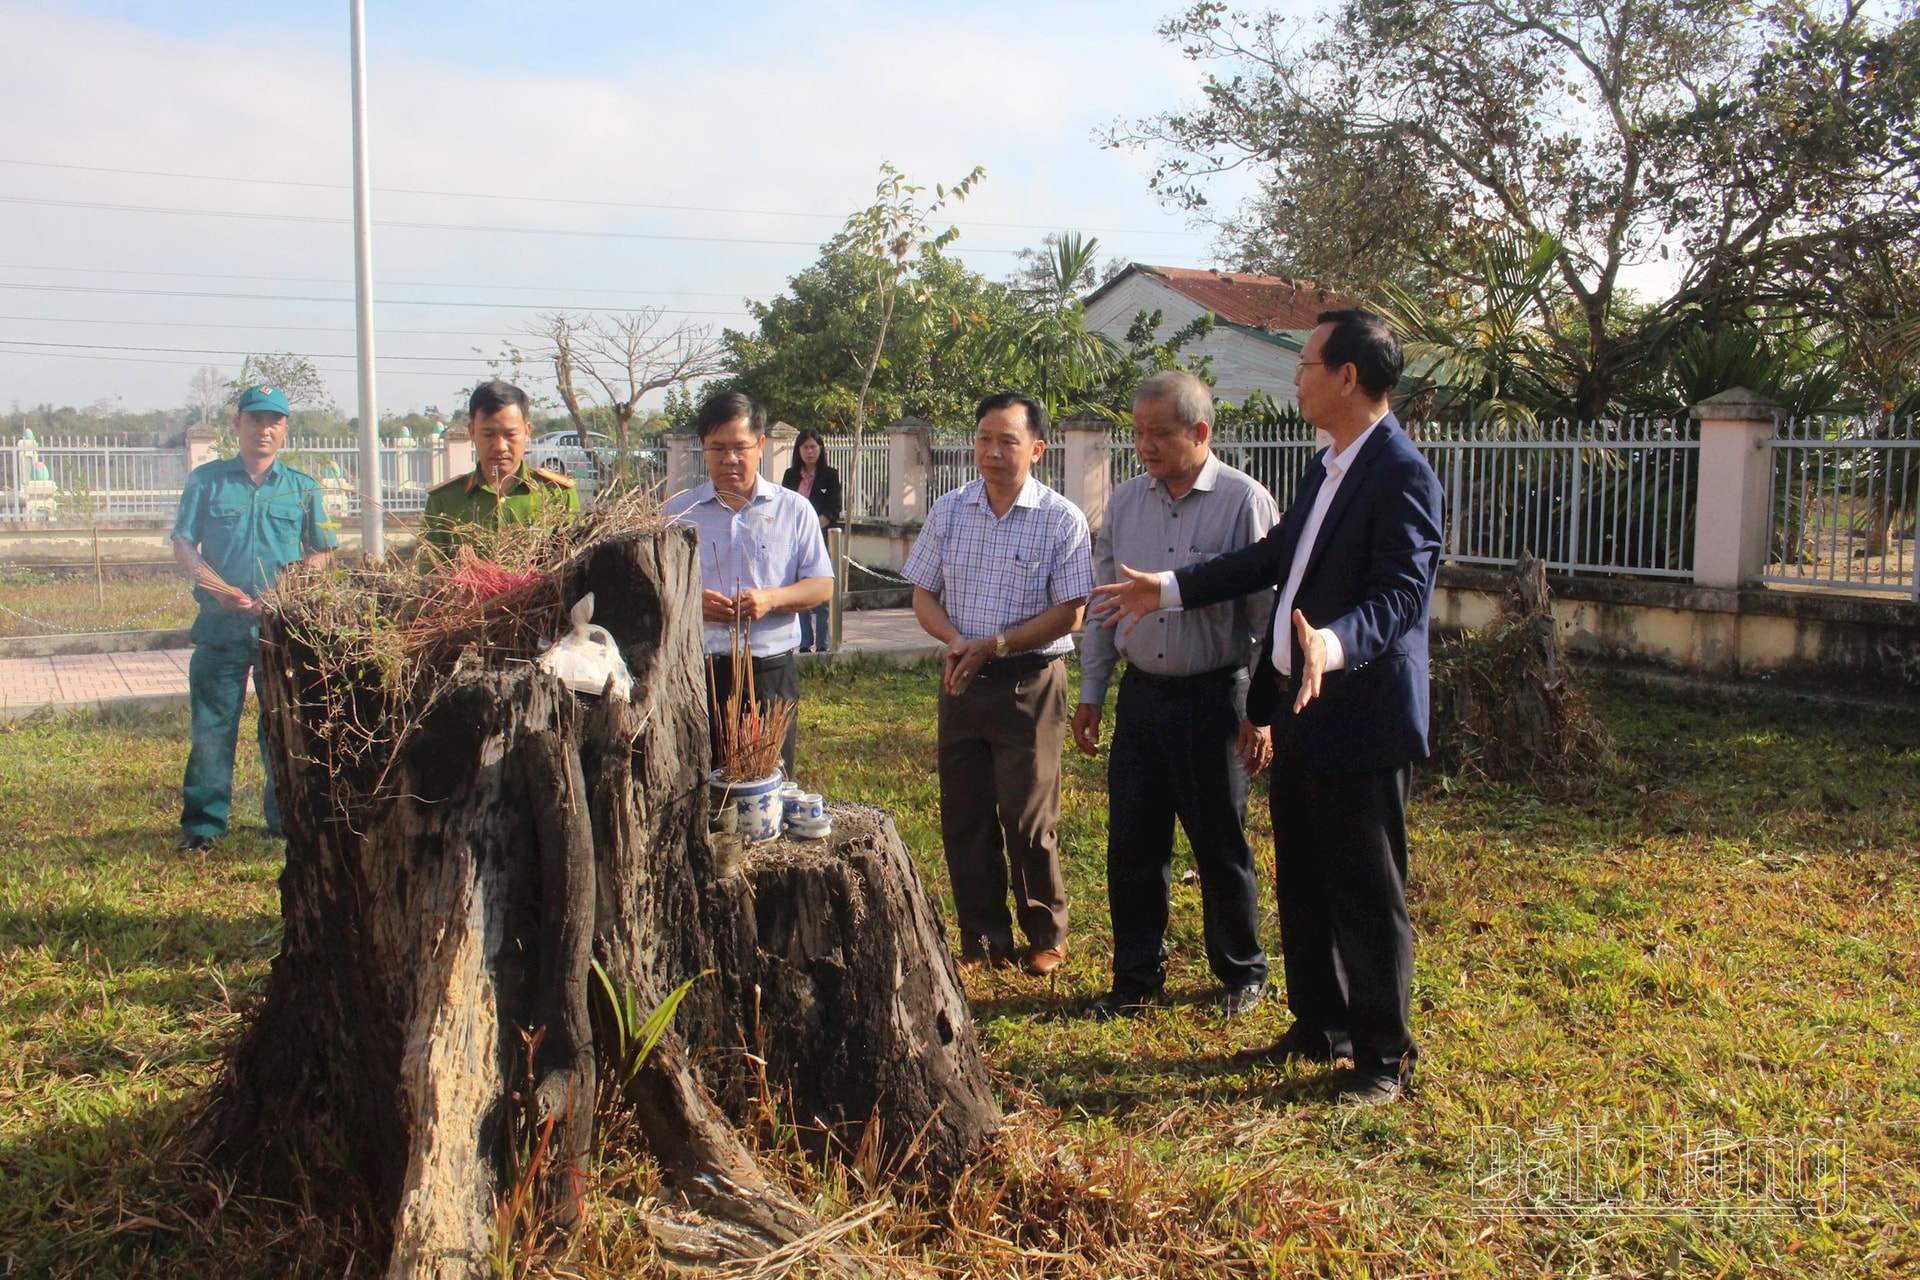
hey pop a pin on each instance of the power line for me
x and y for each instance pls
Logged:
(253, 328)
(203, 351)
(293, 297)
(195, 364)
(403, 284)
(393, 224)
(559, 200)
(390, 225)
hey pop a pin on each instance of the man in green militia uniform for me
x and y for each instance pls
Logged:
(501, 488)
(242, 520)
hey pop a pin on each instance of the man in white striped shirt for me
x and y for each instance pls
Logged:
(1001, 573)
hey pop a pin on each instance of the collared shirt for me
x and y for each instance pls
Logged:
(469, 502)
(772, 541)
(1148, 529)
(247, 532)
(995, 572)
(1336, 465)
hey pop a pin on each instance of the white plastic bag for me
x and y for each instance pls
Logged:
(587, 656)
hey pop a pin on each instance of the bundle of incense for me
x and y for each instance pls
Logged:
(749, 736)
(482, 579)
(206, 578)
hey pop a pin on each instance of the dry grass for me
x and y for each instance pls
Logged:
(1714, 933)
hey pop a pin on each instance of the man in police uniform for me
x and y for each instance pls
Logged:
(501, 488)
(242, 520)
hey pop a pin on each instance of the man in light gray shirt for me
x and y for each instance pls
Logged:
(1182, 747)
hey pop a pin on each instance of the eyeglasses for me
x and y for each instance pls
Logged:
(729, 450)
(1304, 363)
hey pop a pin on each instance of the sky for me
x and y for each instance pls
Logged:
(175, 176)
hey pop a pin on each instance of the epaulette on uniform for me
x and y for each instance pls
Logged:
(466, 479)
(554, 477)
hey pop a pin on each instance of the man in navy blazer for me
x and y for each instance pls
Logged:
(1342, 680)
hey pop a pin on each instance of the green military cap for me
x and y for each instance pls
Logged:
(271, 399)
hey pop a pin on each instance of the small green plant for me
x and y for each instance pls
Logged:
(623, 1035)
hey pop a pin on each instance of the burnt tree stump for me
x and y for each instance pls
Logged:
(427, 1019)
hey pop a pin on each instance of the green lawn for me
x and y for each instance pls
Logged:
(1684, 988)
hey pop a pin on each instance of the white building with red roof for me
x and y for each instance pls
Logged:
(1259, 322)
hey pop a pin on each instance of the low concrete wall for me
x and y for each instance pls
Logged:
(88, 642)
(50, 544)
(1818, 636)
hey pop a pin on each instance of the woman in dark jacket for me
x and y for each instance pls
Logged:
(818, 483)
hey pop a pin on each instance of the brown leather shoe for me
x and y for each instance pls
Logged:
(1042, 961)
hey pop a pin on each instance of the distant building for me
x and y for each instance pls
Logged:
(1259, 322)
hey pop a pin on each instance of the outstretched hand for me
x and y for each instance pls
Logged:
(1313, 661)
(1133, 599)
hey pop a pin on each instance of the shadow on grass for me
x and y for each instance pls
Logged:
(170, 725)
(111, 1198)
(156, 938)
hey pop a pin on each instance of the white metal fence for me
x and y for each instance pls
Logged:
(406, 473)
(952, 467)
(876, 461)
(83, 478)
(1844, 496)
(1584, 497)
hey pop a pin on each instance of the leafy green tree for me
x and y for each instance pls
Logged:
(1763, 152)
(807, 355)
(293, 374)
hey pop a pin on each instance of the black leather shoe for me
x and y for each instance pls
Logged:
(1243, 1000)
(1117, 1004)
(1300, 1042)
(194, 844)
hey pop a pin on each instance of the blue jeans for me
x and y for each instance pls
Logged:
(816, 629)
(217, 689)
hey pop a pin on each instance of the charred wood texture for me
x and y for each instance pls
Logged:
(427, 1018)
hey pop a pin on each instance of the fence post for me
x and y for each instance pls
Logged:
(1733, 523)
(1088, 474)
(684, 469)
(199, 443)
(778, 455)
(457, 444)
(909, 470)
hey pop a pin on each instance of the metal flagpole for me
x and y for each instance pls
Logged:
(373, 539)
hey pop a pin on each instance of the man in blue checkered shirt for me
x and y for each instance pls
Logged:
(1000, 575)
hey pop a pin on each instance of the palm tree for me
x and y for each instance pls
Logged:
(1049, 352)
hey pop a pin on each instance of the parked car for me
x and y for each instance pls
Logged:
(561, 451)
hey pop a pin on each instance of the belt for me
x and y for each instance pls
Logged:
(771, 662)
(1020, 664)
(1185, 684)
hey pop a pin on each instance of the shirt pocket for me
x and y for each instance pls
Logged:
(1030, 583)
(282, 523)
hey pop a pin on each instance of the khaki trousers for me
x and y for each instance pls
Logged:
(999, 760)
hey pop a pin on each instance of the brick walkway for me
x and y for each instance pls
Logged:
(159, 678)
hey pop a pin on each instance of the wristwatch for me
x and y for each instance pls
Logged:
(1000, 645)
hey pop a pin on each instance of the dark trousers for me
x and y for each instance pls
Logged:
(1173, 757)
(774, 679)
(1340, 845)
(999, 759)
(216, 692)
